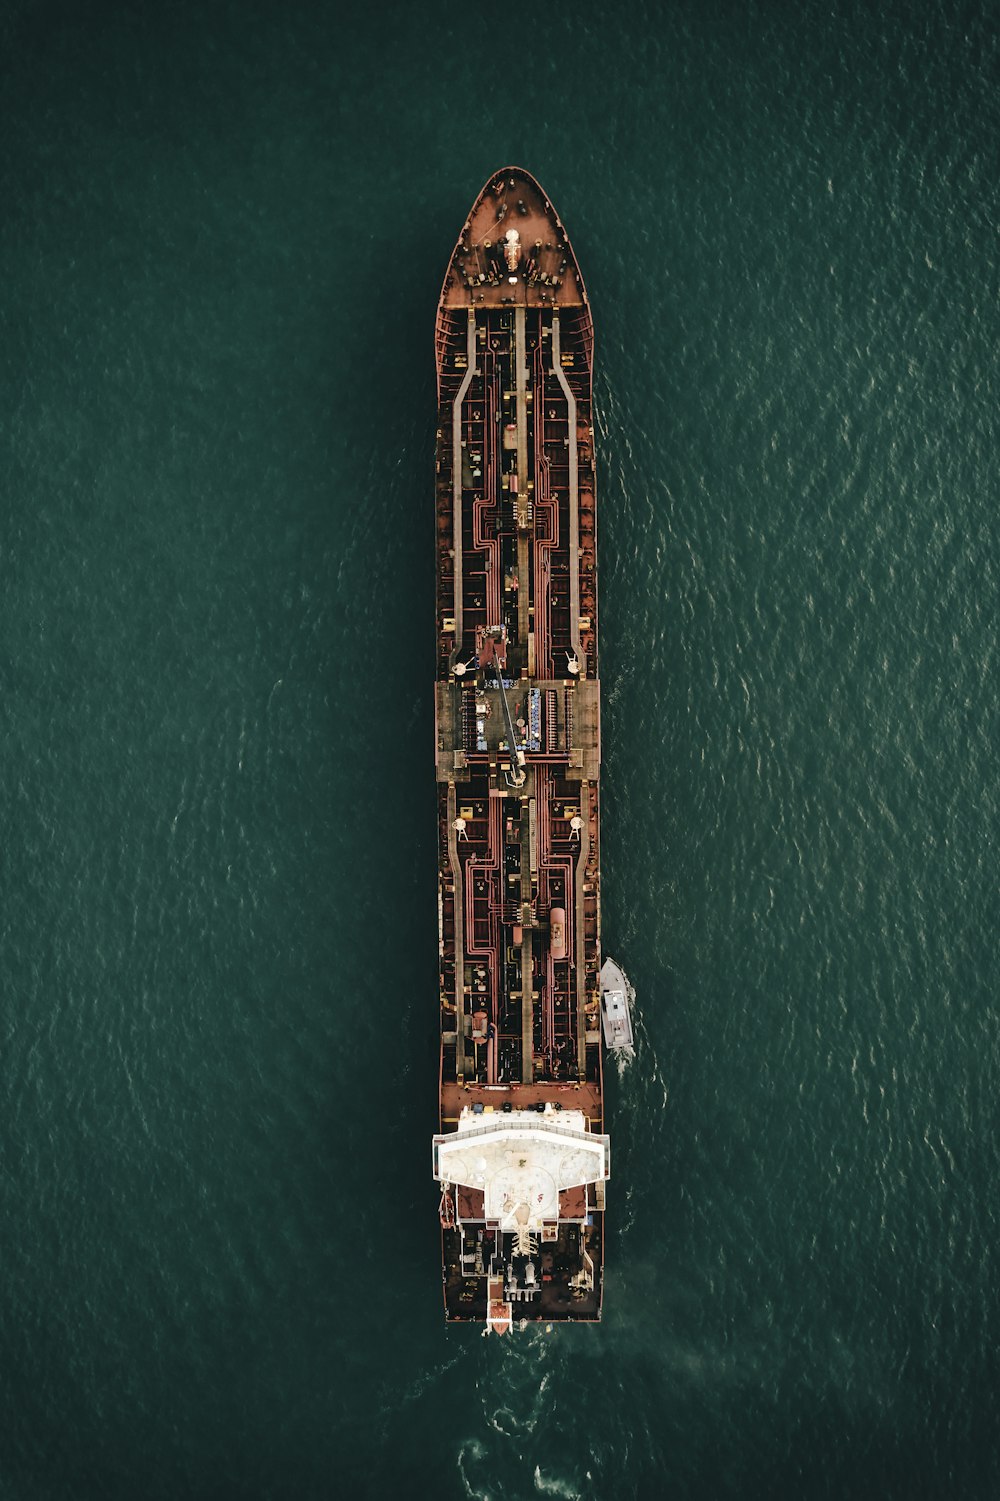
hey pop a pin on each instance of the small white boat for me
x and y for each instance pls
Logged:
(616, 1019)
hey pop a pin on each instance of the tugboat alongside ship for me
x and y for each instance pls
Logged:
(521, 1156)
(616, 1016)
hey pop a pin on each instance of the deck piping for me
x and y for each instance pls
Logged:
(574, 500)
(456, 483)
(578, 934)
(459, 901)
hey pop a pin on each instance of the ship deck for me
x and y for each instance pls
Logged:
(518, 755)
(455, 1097)
(513, 201)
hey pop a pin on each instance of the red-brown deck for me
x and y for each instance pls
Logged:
(518, 754)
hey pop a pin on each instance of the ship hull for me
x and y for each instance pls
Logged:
(521, 1155)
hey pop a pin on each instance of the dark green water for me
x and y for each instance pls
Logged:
(223, 234)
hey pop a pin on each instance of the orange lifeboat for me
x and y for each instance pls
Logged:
(499, 1315)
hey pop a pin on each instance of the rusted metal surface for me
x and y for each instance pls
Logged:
(479, 271)
(517, 715)
(585, 1096)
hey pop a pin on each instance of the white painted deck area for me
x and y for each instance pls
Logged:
(521, 1161)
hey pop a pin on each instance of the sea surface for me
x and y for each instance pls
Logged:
(223, 228)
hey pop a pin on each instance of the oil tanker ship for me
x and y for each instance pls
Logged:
(521, 1156)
